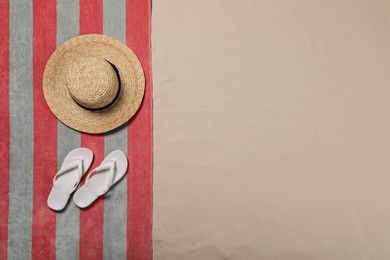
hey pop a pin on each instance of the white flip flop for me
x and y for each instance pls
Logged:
(75, 165)
(109, 172)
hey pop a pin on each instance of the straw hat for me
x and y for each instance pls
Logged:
(93, 83)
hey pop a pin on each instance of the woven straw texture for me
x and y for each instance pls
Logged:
(79, 75)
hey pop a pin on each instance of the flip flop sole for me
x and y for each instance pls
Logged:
(85, 195)
(58, 197)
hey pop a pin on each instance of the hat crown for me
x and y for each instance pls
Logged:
(92, 82)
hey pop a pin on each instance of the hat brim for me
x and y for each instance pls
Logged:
(132, 82)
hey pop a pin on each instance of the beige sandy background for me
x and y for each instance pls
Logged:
(271, 129)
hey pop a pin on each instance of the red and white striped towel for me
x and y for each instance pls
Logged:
(33, 142)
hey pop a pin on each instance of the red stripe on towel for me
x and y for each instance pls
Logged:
(91, 16)
(139, 216)
(45, 133)
(91, 219)
(4, 126)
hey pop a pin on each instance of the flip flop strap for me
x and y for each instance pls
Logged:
(106, 166)
(79, 165)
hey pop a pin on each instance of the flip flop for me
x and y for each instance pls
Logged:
(109, 172)
(75, 165)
